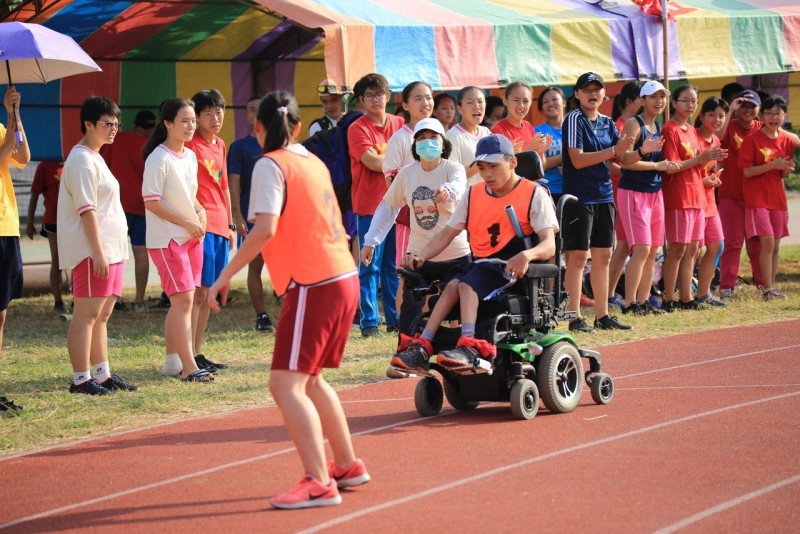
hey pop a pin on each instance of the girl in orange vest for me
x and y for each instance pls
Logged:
(298, 230)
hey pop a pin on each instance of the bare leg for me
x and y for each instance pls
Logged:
(633, 274)
(99, 345)
(55, 272)
(601, 258)
(573, 278)
(334, 422)
(469, 304)
(648, 271)
(675, 252)
(178, 330)
(79, 335)
(2, 325)
(765, 257)
(686, 271)
(200, 312)
(289, 389)
(255, 287)
(447, 300)
(616, 266)
(142, 264)
(775, 260)
(707, 269)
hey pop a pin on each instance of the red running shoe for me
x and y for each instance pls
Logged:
(346, 477)
(308, 493)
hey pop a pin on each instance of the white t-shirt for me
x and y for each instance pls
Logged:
(542, 214)
(398, 149)
(268, 186)
(87, 184)
(464, 144)
(427, 216)
(171, 178)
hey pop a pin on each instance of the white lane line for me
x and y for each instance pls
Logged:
(704, 362)
(727, 504)
(376, 400)
(548, 456)
(594, 418)
(740, 386)
(187, 476)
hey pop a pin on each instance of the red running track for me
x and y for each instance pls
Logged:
(702, 435)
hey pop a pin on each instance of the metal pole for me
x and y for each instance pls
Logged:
(664, 28)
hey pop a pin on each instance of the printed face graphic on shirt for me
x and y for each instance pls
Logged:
(423, 201)
(768, 154)
(688, 148)
(738, 141)
(216, 174)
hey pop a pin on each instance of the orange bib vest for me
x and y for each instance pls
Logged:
(310, 245)
(489, 229)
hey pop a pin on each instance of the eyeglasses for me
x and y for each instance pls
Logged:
(688, 102)
(774, 113)
(373, 96)
(109, 124)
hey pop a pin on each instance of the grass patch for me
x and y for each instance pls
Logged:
(35, 370)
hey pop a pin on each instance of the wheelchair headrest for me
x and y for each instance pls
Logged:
(529, 165)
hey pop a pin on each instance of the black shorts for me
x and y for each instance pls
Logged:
(588, 226)
(10, 270)
(49, 229)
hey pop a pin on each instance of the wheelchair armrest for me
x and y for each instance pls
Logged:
(414, 277)
(542, 270)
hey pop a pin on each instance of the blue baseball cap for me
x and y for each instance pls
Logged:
(750, 96)
(492, 148)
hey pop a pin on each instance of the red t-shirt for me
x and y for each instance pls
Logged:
(212, 182)
(709, 168)
(682, 190)
(124, 158)
(732, 177)
(524, 132)
(46, 182)
(368, 186)
(765, 190)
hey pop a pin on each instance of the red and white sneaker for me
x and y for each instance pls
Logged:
(308, 493)
(346, 477)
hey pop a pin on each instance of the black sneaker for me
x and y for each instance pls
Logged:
(669, 306)
(414, 358)
(90, 387)
(58, 307)
(263, 323)
(163, 302)
(609, 322)
(580, 325)
(634, 308)
(116, 382)
(649, 309)
(692, 305)
(120, 306)
(370, 331)
(8, 405)
(392, 328)
(457, 358)
(206, 364)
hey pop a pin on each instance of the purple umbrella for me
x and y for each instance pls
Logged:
(37, 54)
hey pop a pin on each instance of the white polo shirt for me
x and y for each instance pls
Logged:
(87, 184)
(464, 144)
(171, 178)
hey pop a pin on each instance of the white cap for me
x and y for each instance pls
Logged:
(429, 124)
(652, 87)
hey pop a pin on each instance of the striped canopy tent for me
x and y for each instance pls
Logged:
(150, 51)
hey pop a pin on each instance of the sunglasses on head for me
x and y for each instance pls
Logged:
(327, 89)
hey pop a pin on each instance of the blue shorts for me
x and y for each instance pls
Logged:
(10, 270)
(215, 258)
(484, 277)
(137, 229)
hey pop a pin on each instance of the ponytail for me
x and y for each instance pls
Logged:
(168, 111)
(279, 115)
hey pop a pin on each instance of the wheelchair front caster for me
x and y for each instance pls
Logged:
(524, 399)
(602, 387)
(428, 397)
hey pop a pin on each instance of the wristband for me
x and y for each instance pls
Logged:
(614, 150)
(639, 151)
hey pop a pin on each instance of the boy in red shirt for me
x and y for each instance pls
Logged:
(214, 195)
(766, 159)
(367, 138)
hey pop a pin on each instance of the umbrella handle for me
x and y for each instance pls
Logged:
(17, 133)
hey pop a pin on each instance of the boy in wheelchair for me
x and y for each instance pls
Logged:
(500, 256)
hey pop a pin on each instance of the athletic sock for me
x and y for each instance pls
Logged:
(172, 365)
(428, 334)
(81, 377)
(101, 372)
(467, 330)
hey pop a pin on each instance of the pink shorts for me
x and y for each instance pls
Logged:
(402, 235)
(642, 217)
(760, 222)
(179, 266)
(685, 225)
(713, 231)
(86, 285)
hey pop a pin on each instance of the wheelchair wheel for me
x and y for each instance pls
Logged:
(428, 397)
(602, 388)
(524, 399)
(560, 377)
(455, 399)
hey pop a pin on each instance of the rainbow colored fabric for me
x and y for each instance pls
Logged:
(150, 51)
